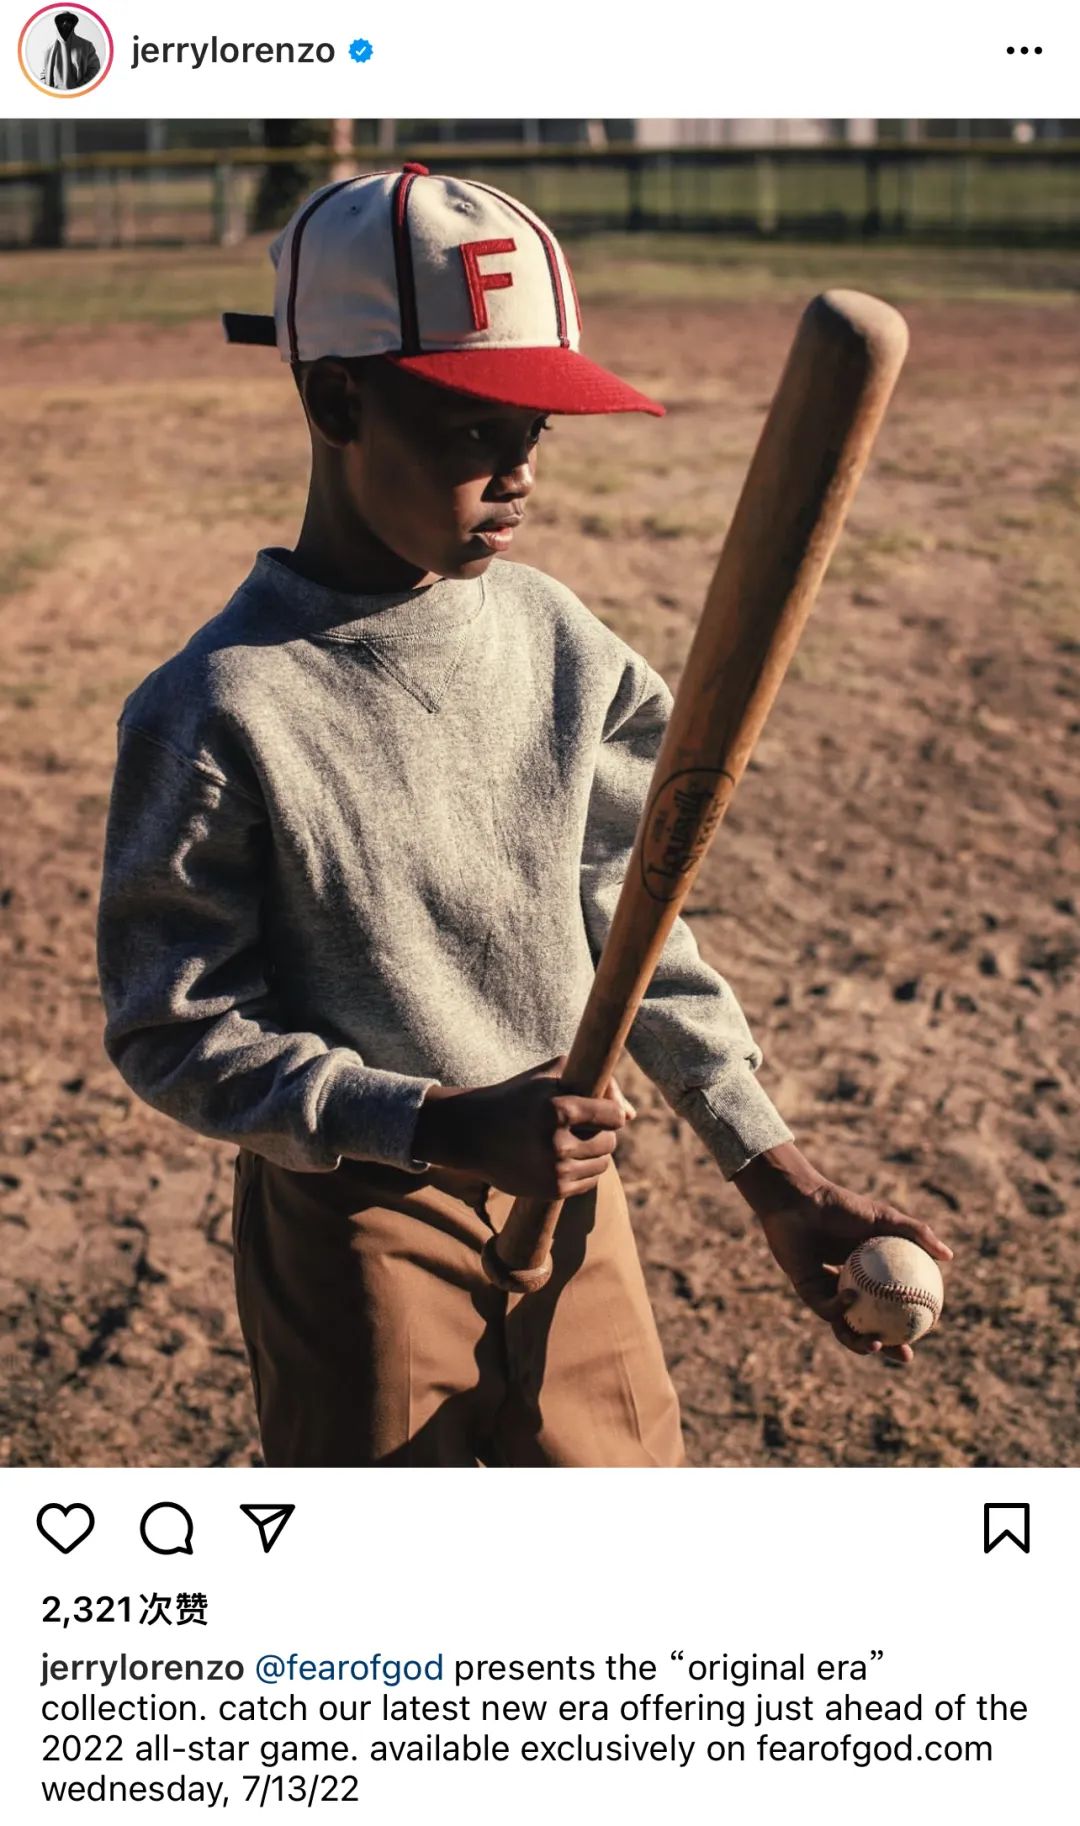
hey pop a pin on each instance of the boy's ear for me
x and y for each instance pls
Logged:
(331, 400)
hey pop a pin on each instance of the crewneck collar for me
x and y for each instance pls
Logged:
(425, 617)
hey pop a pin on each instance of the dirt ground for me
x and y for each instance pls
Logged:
(893, 896)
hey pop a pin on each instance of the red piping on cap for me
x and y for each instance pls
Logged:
(573, 288)
(294, 272)
(403, 261)
(549, 251)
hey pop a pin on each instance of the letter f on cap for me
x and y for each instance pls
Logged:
(478, 282)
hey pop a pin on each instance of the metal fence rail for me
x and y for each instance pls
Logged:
(933, 190)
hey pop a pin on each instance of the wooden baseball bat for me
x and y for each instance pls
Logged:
(832, 396)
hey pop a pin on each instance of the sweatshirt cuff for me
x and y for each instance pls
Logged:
(735, 1119)
(372, 1115)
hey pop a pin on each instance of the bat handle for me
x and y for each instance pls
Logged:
(518, 1258)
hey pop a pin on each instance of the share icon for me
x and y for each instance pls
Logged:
(269, 1519)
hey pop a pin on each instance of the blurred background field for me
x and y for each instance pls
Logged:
(47, 289)
(937, 194)
(134, 183)
(893, 895)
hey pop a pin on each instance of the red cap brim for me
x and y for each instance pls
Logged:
(538, 380)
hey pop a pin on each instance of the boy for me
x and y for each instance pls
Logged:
(367, 833)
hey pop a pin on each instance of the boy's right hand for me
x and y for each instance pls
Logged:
(525, 1136)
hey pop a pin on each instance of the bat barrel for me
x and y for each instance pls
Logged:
(832, 396)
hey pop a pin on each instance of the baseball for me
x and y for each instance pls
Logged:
(899, 1287)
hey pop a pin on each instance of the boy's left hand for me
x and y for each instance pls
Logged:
(811, 1224)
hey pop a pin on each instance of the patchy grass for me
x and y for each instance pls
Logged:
(19, 564)
(869, 558)
(627, 269)
(44, 288)
(1062, 487)
(668, 524)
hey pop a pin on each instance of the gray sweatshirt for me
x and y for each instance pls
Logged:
(360, 845)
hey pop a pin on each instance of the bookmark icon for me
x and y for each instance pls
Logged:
(1007, 1522)
(269, 1519)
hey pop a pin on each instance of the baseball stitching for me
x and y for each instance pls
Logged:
(916, 1296)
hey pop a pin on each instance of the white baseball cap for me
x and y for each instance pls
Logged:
(448, 278)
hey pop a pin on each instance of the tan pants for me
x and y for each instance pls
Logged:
(374, 1338)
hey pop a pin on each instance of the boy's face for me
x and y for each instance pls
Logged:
(440, 478)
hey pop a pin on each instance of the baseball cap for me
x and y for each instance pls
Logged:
(448, 278)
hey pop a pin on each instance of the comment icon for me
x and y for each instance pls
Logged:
(167, 1528)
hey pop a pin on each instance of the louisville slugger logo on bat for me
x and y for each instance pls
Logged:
(679, 826)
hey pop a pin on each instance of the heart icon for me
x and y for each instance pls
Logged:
(65, 1525)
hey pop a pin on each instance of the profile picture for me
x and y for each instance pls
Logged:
(65, 50)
